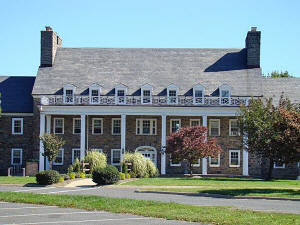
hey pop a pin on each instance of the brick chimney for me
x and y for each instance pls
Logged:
(50, 41)
(253, 48)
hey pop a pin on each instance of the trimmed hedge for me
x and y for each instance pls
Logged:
(107, 175)
(47, 177)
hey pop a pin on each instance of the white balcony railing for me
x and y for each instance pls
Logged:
(137, 100)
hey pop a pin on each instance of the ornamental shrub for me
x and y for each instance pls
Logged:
(65, 176)
(47, 177)
(61, 179)
(82, 175)
(76, 166)
(122, 176)
(132, 174)
(72, 175)
(127, 175)
(152, 171)
(107, 175)
(124, 168)
(95, 159)
(139, 163)
(70, 169)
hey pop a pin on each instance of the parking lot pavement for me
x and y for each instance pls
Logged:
(16, 213)
(284, 206)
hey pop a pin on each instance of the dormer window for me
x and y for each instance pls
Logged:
(198, 94)
(69, 90)
(172, 92)
(146, 94)
(120, 94)
(95, 91)
(225, 93)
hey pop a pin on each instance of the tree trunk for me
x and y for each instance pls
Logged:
(269, 174)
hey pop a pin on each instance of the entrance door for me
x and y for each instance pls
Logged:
(149, 152)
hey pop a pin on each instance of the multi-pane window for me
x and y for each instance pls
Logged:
(17, 126)
(146, 97)
(97, 126)
(225, 97)
(194, 122)
(76, 126)
(115, 156)
(279, 165)
(58, 126)
(173, 96)
(174, 162)
(175, 124)
(75, 154)
(69, 98)
(234, 129)
(214, 127)
(198, 93)
(146, 126)
(214, 161)
(59, 160)
(16, 156)
(116, 126)
(234, 158)
(120, 96)
(95, 96)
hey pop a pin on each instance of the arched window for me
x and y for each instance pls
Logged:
(149, 153)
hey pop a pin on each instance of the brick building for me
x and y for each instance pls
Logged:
(123, 99)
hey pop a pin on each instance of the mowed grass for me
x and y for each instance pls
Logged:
(16, 180)
(174, 211)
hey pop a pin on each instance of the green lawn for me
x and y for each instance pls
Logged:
(203, 214)
(16, 180)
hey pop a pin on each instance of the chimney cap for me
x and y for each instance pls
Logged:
(253, 28)
(48, 28)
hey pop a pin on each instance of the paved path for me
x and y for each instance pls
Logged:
(16, 213)
(285, 206)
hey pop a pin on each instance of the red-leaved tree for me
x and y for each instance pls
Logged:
(191, 144)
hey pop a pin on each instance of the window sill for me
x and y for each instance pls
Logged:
(58, 164)
(17, 133)
(97, 134)
(214, 165)
(116, 134)
(145, 134)
(175, 164)
(58, 133)
(234, 166)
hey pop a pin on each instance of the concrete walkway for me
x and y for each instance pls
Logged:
(87, 182)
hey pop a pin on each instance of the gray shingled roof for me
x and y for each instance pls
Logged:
(185, 68)
(16, 94)
(274, 87)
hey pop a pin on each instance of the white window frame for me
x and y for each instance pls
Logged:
(62, 161)
(174, 164)
(146, 87)
(214, 165)
(111, 158)
(66, 88)
(279, 167)
(219, 128)
(94, 99)
(140, 120)
(74, 125)
(172, 87)
(225, 100)
(197, 164)
(192, 120)
(63, 125)
(239, 158)
(230, 133)
(73, 150)
(112, 126)
(93, 123)
(171, 120)
(120, 87)
(199, 100)
(12, 156)
(13, 126)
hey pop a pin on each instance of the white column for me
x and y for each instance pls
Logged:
(245, 157)
(204, 160)
(163, 144)
(42, 131)
(123, 135)
(48, 131)
(82, 136)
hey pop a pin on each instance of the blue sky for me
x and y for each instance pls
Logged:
(155, 23)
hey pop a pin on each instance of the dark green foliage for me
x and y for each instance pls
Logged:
(107, 175)
(47, 177)
(279, 74)
(52, 144)
(132, 174)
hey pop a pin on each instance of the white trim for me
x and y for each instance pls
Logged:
(198, 87)
(111, 156)
(140, 120)
(100, 150)
(148, 150)
(120, 87)
(174, 164)
(93, 119)
(94, 87)
(239, 158)
(214, 165)
(192, 120)
(197, 164)
(17, 114)
(228, 88)
(13, 126)
(65, 89)
(112, 126)
(73, 150)
(279, 167)
(54, 125)
(146, 87)
(171, 120)
(219, 128)
(172, 87)
(74, 125)
(163, 144)
(230, 134)
(62, 158)
(12, 156)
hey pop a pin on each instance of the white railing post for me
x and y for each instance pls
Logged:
(204, 160)
(82, 136)
(42, 131)
(163, 144)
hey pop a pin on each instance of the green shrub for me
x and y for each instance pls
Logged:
(72, 175)
(124, 168)
(95, 160)
(47, 177)
(88, 175)
(107, 175)
(122, 176)
(65, 176)
(132, 174)
(127, 175)
(76, 166)
(138, 162)
(61, 179)
(152, 171)
(70, 169)
(82, 175)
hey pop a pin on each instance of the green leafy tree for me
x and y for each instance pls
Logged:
(52, 144)
(279, 74)
(273, 131)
